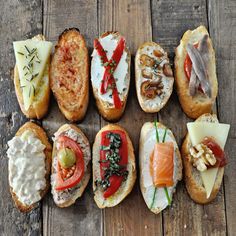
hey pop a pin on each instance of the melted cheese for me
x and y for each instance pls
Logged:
(121, 73)
(160, 200)
(27, 83)
(197, 132)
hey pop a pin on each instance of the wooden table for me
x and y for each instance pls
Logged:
(163, 21)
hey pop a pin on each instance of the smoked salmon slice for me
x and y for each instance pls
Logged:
(161, 164)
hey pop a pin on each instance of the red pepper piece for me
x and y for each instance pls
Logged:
(115, 181)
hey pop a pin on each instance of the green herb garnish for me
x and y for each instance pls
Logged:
(165, 188)
(113, 158)
(21, 53)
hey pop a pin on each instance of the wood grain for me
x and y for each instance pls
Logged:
(12, 222)
(170, 19)
(222, 24)
(132, 216)
(83, 217)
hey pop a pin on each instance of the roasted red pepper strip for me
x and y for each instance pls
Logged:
(221, 158)
(110, 67)
(115, 181)
(61, 184)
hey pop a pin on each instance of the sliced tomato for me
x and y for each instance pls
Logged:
(61, 184)
(115, 180)
(221, 158)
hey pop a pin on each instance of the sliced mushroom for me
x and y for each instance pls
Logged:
(147, 74)
(145, 60)
(151, 89)
(157, 53)
(167, 70)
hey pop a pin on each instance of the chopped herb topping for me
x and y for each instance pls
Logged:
(21, 53)
(113, 157)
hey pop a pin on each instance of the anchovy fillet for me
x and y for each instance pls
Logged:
(199, 67)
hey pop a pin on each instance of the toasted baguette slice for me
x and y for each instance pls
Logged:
(39, 108)
(68, 197)
(127, 185)
(146, 145)
(69, 73)
(193, 180)
(196, 105)
(155, 70)
(104, 102)
(40, 133)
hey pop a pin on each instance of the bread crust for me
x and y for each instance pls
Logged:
(40, 133)
(145, 128)
(192, 177)
(87, 174)
(107, 110)
(151, 108)
(199, 104)
(72, 105)
(38, 109)
(123, 191)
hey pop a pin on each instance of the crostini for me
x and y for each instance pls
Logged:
(195, 72)
(69, 74)
(110, 74)
(71, 168)
(29, 164)
(204, 157)
(31, 78)
(114, 171)
(153, 77)
(160, 165)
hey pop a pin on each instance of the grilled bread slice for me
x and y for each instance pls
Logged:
(153, 77)
(126, 185)
(69, 72)
(39, 107)
(68, 197)
(193, 180)
(105, 104)
(40, 133)
(196, 105)
(158, 201)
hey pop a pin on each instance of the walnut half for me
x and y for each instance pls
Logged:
(202, 157)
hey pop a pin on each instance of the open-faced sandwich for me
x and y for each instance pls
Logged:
(160, 165)
(69, 72)
(71, 167)
(114, 171)
(31, 75)
(204, 157)
(195, 72)
(153, 77)
(29, 166)
(110, 74)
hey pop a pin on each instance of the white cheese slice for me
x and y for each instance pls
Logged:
(197, 132)
(30, 75)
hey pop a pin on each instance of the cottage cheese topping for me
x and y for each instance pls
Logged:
(26, 167)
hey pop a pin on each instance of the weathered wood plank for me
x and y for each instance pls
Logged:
(19, 20)
(133, 20)
(222, 24)
(170, 20)
(83, 217)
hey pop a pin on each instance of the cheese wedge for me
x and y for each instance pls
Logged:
(31, 58)
(197, 132)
